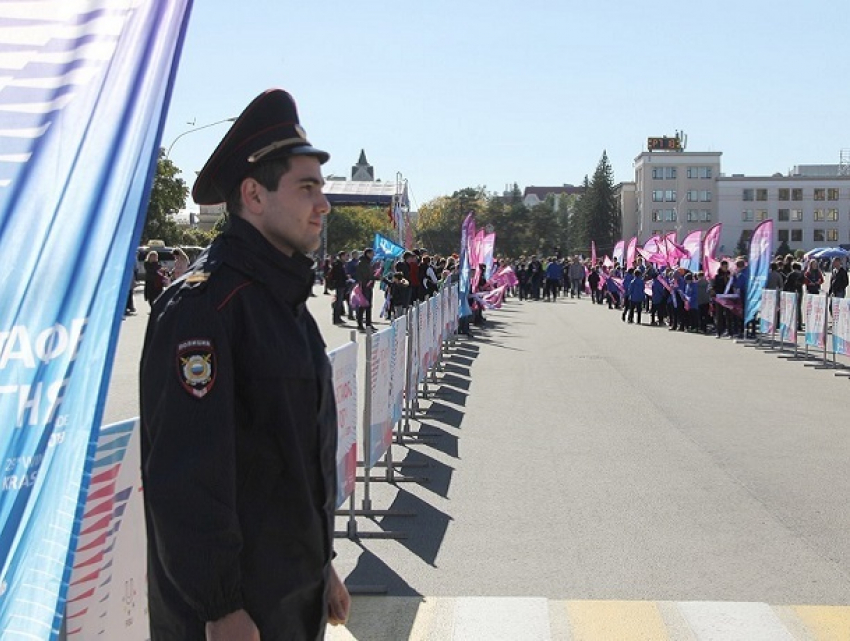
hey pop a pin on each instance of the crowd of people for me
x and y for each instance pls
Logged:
(676, 298)
(353, 276)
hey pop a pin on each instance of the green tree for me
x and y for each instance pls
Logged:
(440, 219)
(168, 195)
(602, 220)
(354, 227)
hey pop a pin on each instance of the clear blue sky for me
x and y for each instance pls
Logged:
(456, 93)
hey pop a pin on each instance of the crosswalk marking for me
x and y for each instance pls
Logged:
(734, 622)
(826, 623)
(621, 620)
(501, 619)
(540, 619)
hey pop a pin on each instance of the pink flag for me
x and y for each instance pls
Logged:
(692, 245)
(618, 251)
(630, 252)
(710, 242)
(711, 266)
(674, 250)
(593, 253)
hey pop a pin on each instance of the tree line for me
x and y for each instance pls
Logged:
(564, 225)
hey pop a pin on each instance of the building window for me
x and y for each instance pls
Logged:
(832, 235)
(693, 172)
(670, 215)
(705, 215)
(748, 195)
(761, 194)
(832, 193)
(693, 195)
(818, 235)
(670, 195)
(796, 235)
(761, 214)
(784, 194)
(820, 193)
(693, 216)
(782, 235)
(657, 232)
(657, 196)
(832, 214)
(784, 215)
(747, 215)
(670, 172)
(747, 235)
(657, 173)
(705, 196)
(656, 215)
(705, 172)
(820, 215)
(797, 194)
(796, 215)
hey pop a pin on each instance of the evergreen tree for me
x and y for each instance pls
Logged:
(602, 220)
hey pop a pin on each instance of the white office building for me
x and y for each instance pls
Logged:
(682, 191)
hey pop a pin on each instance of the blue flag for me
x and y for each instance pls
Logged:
(81, 113)
(385, 248)
(759, 265)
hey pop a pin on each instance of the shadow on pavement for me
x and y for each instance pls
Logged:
(425, 538)
(371, 575)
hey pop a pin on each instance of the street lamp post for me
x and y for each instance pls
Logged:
(193, 130)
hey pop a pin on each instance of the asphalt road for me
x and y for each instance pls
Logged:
(575, 457)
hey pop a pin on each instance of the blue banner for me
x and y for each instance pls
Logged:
(759, 265)
(81, 110)
(385, 248)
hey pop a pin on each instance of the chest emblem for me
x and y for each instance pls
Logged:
(196, 366)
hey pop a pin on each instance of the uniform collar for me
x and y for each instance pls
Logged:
(290, 278)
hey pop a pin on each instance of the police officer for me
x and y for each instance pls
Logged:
(237, 407)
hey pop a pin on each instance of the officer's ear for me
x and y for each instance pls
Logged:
(252, 197)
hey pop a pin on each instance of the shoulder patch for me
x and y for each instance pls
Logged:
(196, 366)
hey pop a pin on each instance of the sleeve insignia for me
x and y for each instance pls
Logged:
(196, 366)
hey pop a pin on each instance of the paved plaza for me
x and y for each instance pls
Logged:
(581, 478)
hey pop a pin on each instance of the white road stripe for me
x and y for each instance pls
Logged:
(501, 619)
(734, 622)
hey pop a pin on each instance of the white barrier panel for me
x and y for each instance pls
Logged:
(788, 317)
(344, 364)
(767, 312)
(415, 363)
(841, 326)
(815, 321)
(398, 367)
(434, 323)
(424, 342)
(108, 596)
(380, 423)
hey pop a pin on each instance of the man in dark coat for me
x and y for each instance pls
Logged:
(237, 408)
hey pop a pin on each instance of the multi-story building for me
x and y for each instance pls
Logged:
(808, 210)
(674, 191)
(682, 191)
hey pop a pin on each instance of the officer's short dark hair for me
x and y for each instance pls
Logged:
(268, 174)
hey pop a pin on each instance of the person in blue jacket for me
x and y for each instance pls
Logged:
(739, 286)
(658, 301)
(636, 296)
(628, 279)
(691, 303)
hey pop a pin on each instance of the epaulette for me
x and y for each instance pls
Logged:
(201, 270)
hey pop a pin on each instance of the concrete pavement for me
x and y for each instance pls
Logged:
(575, 459)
